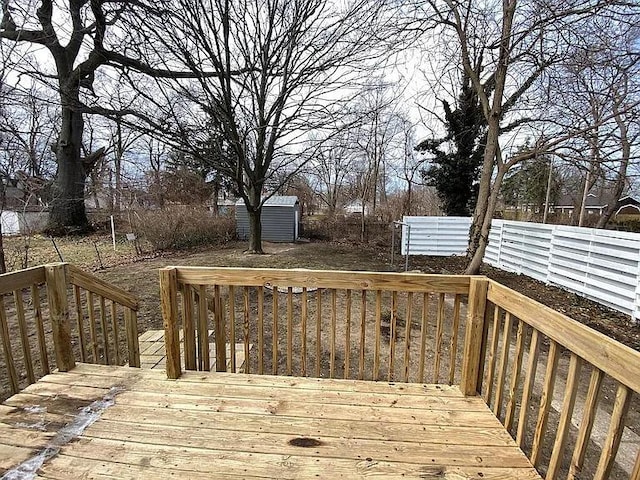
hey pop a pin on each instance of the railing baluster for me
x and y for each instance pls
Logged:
(614, 434)
(504, 359)
(133, 346)
(376, 353)
(247, 364)
(37, 318)
(304, 314)
(318, 331)
(261, 352)
(220, 331)
(515, 377)
(334, 314)
(232, 331)
(80, 322)
(393, 333)
(92, 325)
(188, 328)
(586, 425)
(363, 327)
(438, 339)
(289, 331)
(24, 335)
(204, 362)
(545, 402)
(274, 351)
(116, 331)
(527, 389)
(105, 332)
(423, 336)
(347, 342)
(493, 350)
(6, 345)
(453, 346)
(407, 335)
(570, 393)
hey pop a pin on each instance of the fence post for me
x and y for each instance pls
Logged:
(169, 304)
(478, 287)
(56, 280)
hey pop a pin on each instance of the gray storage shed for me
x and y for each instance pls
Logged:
(280, 219)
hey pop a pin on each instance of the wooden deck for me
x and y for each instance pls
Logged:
(116, 422)
(153, 354)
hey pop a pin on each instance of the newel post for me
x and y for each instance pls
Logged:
(56, 281)
(169, 305)
(474, 335)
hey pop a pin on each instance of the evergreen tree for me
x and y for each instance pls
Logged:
(457, 157)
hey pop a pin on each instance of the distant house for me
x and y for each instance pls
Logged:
(595, 204)
(355, 208)
(628, 206)
(280, 219)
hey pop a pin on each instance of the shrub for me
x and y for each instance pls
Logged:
(347, 229)
(182, 227)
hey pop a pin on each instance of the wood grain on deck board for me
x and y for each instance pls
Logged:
(231, 426)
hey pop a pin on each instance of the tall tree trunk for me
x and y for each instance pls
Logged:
(68, 214)
(621, 177)
(483, 238)
(117, 164)
(255, 231)
(215, 195)
(3, 198)
(254, 209)
(482, 206)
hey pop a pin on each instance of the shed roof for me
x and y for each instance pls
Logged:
(277, 201)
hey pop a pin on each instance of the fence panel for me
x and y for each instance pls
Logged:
(602, 265)
(440, 236)
(492, 253)
(524, 249)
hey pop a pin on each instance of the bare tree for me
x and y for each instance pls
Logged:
(330, 168)
(97, 37)
(519, 43)
(284, 68)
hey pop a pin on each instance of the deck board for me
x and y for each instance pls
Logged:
(245, 426)
(153, 353)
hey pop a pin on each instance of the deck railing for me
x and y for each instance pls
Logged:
(35, 308)
(545, 376)
(358, 325)
(513, 351)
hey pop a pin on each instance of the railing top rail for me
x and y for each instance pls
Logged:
(21, 279)
(610, 356)
(105, 289)
(258, 277)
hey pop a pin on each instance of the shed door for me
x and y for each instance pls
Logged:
(296, 224)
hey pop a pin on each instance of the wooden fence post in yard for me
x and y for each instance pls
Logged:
(169, 304)
(56, 280)
(473, 336)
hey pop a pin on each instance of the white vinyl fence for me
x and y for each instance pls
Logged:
(602, 265)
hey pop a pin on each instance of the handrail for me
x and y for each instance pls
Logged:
(12, 281)
(610, 356)
(258, 277)
(98, 286)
